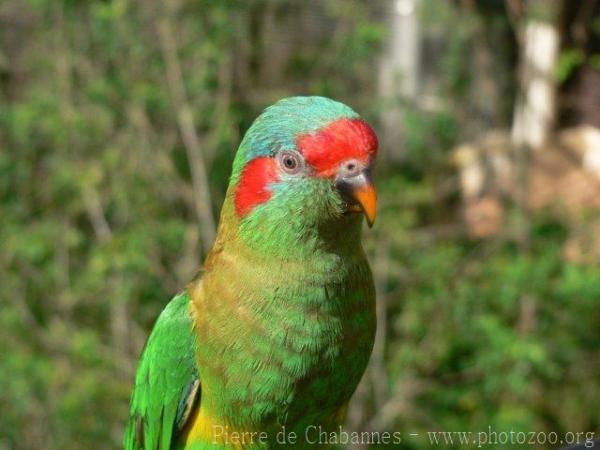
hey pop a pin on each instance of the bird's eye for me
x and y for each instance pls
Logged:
(290, 162)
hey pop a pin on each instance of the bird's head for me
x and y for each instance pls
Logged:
(303, 168)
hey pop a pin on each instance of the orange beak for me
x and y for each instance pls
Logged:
(366, 197)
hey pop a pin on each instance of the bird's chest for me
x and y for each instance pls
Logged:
(297, 361)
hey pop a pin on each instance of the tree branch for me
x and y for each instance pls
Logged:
(185, 122)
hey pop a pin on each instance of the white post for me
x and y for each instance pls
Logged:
(534, 112)
(399, 67)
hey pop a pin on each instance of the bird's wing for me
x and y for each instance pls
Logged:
(167, 386)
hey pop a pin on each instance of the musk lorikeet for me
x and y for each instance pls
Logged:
(276, 333)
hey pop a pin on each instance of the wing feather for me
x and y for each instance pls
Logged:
(167, 385)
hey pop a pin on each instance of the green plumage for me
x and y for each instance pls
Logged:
(167, 369)
(280, 327)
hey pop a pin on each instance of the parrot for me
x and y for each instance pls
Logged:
(265, 347)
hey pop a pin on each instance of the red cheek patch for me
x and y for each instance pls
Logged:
(341, 140)
(252, 188)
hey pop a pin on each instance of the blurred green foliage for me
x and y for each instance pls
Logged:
(98, 229)
(568, 61)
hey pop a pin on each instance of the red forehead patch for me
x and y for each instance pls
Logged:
(341, 140)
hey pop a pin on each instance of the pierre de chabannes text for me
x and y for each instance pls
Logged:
(317, 435)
